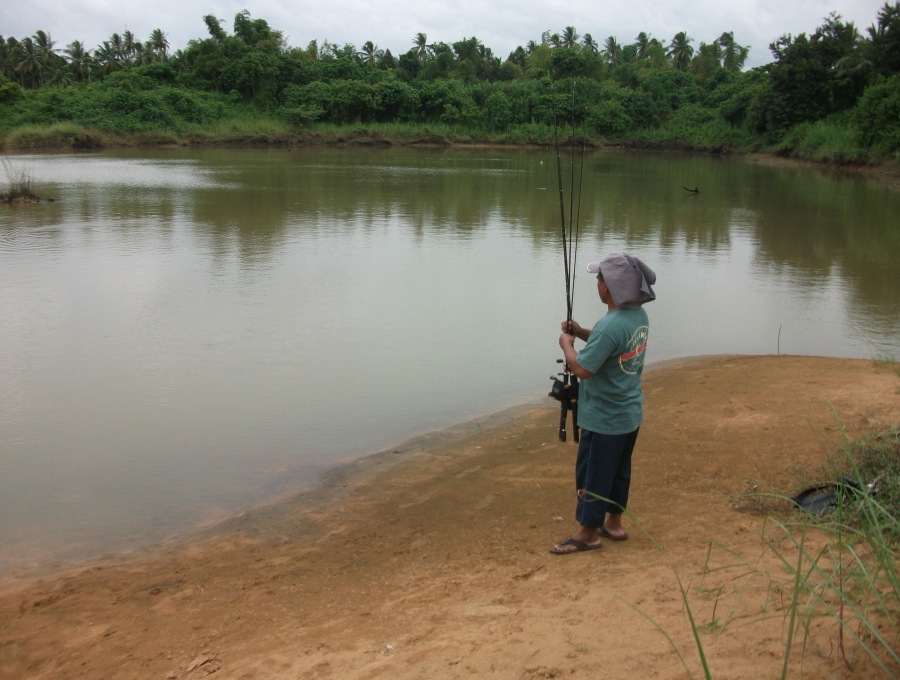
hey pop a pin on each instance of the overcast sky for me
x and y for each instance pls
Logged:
(501, 25)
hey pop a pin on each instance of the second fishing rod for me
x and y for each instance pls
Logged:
(565, 383)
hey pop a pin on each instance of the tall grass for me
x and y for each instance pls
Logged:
(20, 184)
(824, 140)
(55, 136)
(840, 567)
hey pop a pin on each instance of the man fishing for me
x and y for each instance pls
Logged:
(610, 398)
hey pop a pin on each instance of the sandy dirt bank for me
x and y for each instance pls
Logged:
(432, 561)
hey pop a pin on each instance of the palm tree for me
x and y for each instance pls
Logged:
(30, 63)
(422, 48)
(79, 60)
(108, 58)
(129, 44)
(7, 52)
(140, 54)
(569, 38)
(45, 45)
(159, 43)
(117, 45)
(612, 50)
(680, 51)
(642, 42)
(734, 55)
(590, 44)
(370, 55)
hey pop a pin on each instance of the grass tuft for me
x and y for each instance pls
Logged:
(20, 184)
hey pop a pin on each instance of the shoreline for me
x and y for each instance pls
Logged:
(434, 562)
(884, 172)
(364, 466)
(356, 471)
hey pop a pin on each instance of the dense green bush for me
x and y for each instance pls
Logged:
(878, 117)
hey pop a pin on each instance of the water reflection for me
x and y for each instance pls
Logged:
(187, 333)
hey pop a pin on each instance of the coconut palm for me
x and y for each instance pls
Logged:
(117, 45)
(569, 38)
(30, 62)
(108, 58)
(612, 50)
(733, 55)
(680, 51)
(7, 52)
(642, 42)
(590, 44)
(370, 55)
(159, 43)
(79, 60)
(421, 47)
(45, 45)
(140, 54)
(129, 44)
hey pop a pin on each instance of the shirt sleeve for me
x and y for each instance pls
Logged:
(601, 345)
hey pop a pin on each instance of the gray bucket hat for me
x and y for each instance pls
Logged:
(627, 278)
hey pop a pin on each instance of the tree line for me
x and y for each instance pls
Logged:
(645, 88)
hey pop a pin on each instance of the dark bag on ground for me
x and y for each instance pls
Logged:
(822, 499)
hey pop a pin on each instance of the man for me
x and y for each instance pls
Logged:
(610, 398)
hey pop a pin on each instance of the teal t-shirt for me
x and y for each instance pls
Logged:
(611, 401)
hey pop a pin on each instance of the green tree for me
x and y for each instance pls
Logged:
(733, 55)
(30, 62)
(214, 26)
(612, 51)
(421, 47)
(497, 111)
(108, 58)
(159, 43)
(878, 117)
(680, 51)
(642, 42)
(370, 55)
(79, 60)
(883, 46)
(569, 38)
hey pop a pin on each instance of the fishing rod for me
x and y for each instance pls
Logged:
(565, 383)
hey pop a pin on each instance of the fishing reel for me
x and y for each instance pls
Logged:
(565, 391)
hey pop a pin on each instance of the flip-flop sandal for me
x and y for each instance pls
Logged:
(580, 546)
(603, 532)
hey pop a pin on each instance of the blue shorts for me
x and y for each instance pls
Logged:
(602, 475)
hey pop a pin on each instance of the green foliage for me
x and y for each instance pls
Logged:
(824, 140)
(736, 96)
(620, 111)
(448, 102)
(498, 111)
(9, 91)
(875, 459)
(878, 117)
(646, 90)
(672, 89)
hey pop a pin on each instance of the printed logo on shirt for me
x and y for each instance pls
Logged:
(632, 359)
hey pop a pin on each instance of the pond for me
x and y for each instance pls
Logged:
(189, 333)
